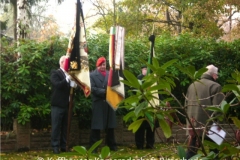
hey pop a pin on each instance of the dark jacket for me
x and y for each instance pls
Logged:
(201, 93)
(140, 76)
(103, 116)
(60, 89)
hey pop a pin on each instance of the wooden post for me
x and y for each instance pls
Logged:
(22, 136)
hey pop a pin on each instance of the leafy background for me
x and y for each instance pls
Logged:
(26, 88)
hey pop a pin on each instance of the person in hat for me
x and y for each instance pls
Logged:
(143, 72)
(145, 126)
(202, 93)
(103, 116)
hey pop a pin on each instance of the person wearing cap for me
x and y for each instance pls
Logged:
(202, 93)
(145, 126)
(103, 116)
(143, 72)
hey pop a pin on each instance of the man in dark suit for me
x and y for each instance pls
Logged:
(145, 126)
(61, 83)
(103, 116)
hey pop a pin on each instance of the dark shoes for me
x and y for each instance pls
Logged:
(114, 148)
(56, 151)
(63, 150)
(139, 147)
(150, 147)
(147, 147)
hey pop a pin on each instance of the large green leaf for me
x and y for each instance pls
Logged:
(170, 81)
(214, 109)
(80, 149)
(150, 119)
(225, 106)
(132, 99)
(161, 86)
(105, 152)
(237, 94)
(181, 152)
(229, 149)
(200, 72)
(169, 63)
(128, 116)
(131, 78)
(159, 72)
(127, 83)
(139, 108)
(165, 127)
(190, 71)
(236, 76)
(155, 62)
(231, 87)
(94, 146)
(210, 144)
(135, 125)
(226, 149)
(146, 85)
(160, 116)
(236, 121)
(198, 156)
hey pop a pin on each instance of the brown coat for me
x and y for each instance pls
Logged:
(200, 94)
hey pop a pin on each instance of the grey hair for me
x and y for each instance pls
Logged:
(61, 59)
(211, 69)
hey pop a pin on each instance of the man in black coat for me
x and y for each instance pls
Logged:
(103, 116)
(145, 126)
(61, 83)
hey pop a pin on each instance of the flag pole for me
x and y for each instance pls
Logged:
(73, 54)
(76, 63)
(114, 13)
(69, 117)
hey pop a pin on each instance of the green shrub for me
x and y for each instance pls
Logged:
(26, 87)
(25, 84)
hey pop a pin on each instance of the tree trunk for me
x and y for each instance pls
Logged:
(14, 5)
(22, 20)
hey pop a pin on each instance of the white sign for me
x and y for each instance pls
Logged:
(216, 135)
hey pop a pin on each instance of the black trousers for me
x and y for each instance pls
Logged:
(193, 147)
(140, 136)
(59, 119)
(110, 138)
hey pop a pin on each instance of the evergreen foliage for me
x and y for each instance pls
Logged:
(26, 88)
